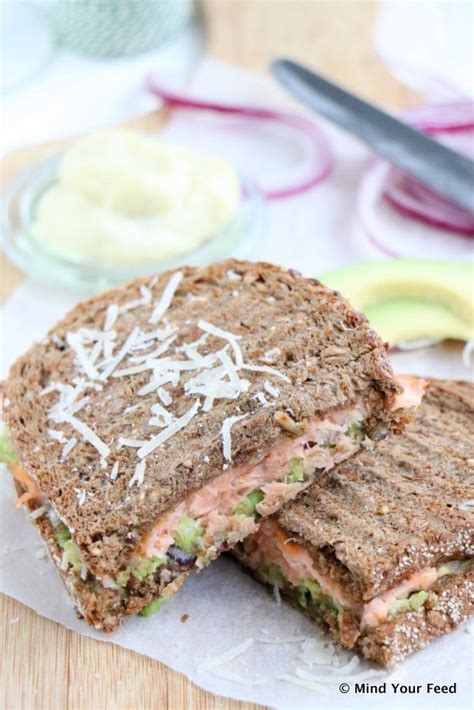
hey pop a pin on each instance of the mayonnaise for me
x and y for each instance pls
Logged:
(122, 199)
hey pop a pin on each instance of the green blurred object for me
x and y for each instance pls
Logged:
(117, 28)
(409, 299)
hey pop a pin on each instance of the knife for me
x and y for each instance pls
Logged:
(443, 170)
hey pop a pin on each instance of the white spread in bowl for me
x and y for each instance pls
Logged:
(122, 199)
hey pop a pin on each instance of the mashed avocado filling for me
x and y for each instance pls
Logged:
(153, 606)
(413, 602)
(71, 553)
(296, 473)
(7, 452)
(248, 506)
(188, 535)
(310, 595)
(308, 592)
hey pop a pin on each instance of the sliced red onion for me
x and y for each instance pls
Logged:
(454, 124)
(370, 193)
(323, 160)
(442, 118)
(413, 199)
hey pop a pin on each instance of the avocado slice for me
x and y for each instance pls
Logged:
(407, 299)
(407, 319)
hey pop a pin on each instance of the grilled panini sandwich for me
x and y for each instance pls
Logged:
(379, 549)
(158, 423)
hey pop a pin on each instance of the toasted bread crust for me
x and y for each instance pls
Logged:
(390, 642)
(368, 551)
(395, 508)
(104, 608)
(326, 349)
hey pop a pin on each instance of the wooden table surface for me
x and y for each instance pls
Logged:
(44, 666)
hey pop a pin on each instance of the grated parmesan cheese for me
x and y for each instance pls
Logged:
(225, 657)
(75, 342)
(80, 495)
(226, 438)
(165, 397)
(133, 443)
(175, 426)
(95, 352)
(155, 382)
(224, 335)
(303, 683)
(264, 368)
(234, 678)
(111, 316)
(273, 391)
(281, 641)
(57, 435)
(68, 447)
(77, 406)
(166, 297)
(156, 353)
(145, 300)
(139, 474)
(135, 370)
(194, 345)
(121, 354)
(114, 472)
(271, 355)
(161, 414)
(88, 435)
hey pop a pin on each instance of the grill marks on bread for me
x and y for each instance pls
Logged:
(326, 349)
(397, 508)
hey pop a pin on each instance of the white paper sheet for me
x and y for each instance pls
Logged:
(314, 232)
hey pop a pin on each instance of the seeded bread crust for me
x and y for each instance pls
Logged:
(398, 507)
(326, 348)
(104, 608)
(392, 641)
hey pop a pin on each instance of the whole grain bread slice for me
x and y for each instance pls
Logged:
(392, 641)
(399, 506)
(104, 607)
(292, 324)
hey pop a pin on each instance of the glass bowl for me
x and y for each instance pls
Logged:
(19, 206)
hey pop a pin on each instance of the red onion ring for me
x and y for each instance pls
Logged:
(323, 162)
(442, 118)
(454, 123)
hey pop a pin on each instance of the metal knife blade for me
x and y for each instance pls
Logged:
(443, 170)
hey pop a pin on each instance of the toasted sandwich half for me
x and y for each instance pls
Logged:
(158, 423)
(379, 549)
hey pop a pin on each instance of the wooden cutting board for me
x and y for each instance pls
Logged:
(44, 666)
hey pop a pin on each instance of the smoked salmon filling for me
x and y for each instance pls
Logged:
(286, 564)
(226, 510)
(230, 508)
